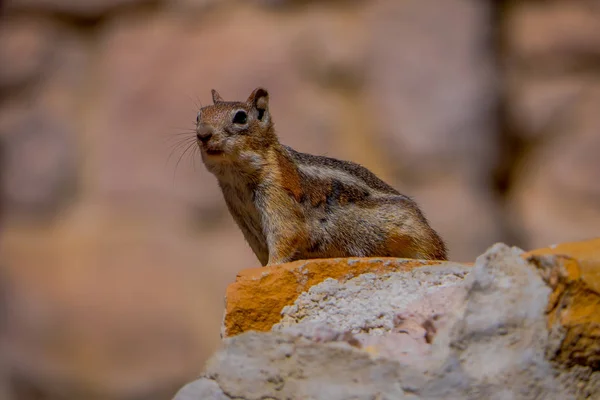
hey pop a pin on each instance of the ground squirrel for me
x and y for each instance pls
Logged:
(292, 205)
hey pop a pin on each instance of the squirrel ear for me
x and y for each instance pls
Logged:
(259, 99)
(216, 96)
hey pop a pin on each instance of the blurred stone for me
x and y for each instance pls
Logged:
(331, 50)
(432, 91)
(26, 45)
(193, 7)
(557, 193)
(40, 173)
(96, 300)
(551, 53)
(301, 3)
(537, 105)
(431, 97)
(553, 35)
(77, 8)
(552, 99)
(2, 169)
(40, 126)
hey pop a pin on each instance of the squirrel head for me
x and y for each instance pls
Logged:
(234, 132)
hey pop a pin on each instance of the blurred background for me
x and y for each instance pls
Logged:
(114, 260)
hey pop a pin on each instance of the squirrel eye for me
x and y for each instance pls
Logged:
(240, 117)
(198, 116)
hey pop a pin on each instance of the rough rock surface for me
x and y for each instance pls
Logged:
(352, 305)
(255, 300)
(492, 341)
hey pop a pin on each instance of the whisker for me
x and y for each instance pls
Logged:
(191, 133)
(180, 142)
(177, 141)
(179, 160)
(177, 146)
(196, 150)
(179, 136)
(185, 128)
(193, 101)
(181, 131)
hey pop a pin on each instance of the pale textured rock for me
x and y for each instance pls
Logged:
(370, 303)
(494, 342)
(201, 389)
(395, 314)
(283, 366)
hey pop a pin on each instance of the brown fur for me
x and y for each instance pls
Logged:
(292, 205)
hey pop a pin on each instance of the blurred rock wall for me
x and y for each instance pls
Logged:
(116, 251)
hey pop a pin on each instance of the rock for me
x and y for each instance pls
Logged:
(574, 307)
(391, 313)
(255, 300)
(370, 303)
(275, 366)
(201, 389)
(498, 337)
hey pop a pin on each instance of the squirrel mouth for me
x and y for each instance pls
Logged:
(213, 152)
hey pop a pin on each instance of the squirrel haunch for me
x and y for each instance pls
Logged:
(291, 205)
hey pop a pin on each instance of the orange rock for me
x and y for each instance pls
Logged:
(255, 300)
(574, 305)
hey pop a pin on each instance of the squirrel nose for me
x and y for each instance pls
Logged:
(204, 133)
